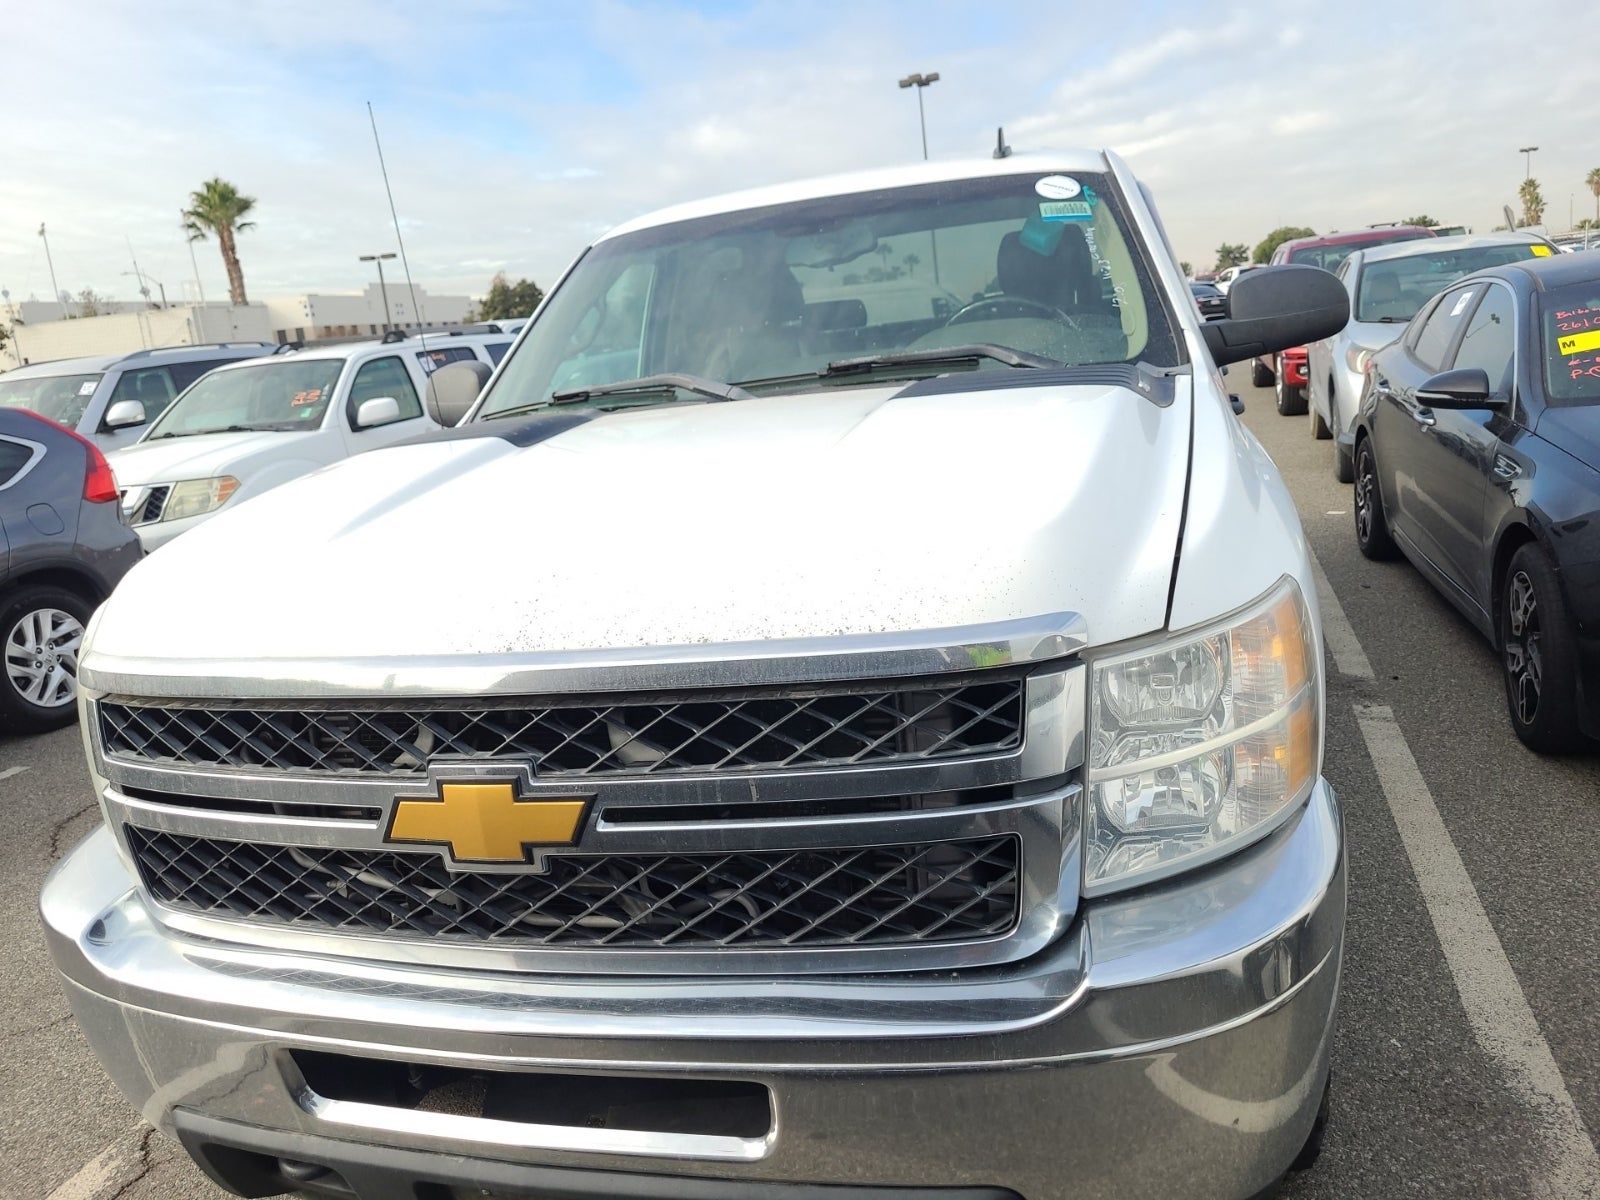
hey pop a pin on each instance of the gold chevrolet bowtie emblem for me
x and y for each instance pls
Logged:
(483, 821)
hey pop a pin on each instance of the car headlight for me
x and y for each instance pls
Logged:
(1357, 358)
(195, 496)
(1202, 743)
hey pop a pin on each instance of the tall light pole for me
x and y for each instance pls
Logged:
(50, 262)
(919, 82)
(1527, 160)
(183, 223)
(382, 287)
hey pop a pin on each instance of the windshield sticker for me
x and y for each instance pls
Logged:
(86, 388)
(1577, 343)
(1576, 320)
(1540, 251)
(301, 399)
(1461, 303)
(1065, 210)
(1057, 187)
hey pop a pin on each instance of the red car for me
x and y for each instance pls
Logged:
(1286, 371)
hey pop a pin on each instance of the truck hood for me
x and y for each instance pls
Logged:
(853, 511)
(201, 456)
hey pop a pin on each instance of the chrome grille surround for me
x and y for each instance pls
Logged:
(1024, 795)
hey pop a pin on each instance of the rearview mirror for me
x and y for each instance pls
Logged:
(379, 410)
(453, 389)
(1273, 308)
(1466, 387)
(124, 414)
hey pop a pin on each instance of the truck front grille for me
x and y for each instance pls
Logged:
(749, 731)
(917, 894)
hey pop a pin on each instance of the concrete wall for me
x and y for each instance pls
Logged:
(122, 333)
(332, 315)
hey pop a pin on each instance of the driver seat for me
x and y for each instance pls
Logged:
(1063, 279)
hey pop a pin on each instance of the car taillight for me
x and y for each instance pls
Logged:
(99, 484)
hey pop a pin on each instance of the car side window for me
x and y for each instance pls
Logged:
(432, 360)
(13, 457)
(383, 377)
(150, 386)
(183, 374)
(1439, 330)
(496, 351)
(1490, 342)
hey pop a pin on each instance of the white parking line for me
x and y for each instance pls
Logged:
(10, 771)
(1496, 1007)
(95, 1178)
(1341, 638)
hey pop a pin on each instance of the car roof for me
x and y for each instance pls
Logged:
(878, 179)
(1391, 232)
(1458, 241)
(1553, 271)
(154, 356)
(88, 364)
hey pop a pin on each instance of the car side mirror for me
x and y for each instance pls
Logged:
(378, 410)
(125, 414)
(1273, 308)
(453, 389)
(1466, 387)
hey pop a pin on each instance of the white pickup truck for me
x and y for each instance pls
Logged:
(768, 750)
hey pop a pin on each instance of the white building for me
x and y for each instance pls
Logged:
(142, 328)
(311, 318)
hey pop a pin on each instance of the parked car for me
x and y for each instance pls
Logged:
(1477, 455)
(1285, 372)
(437, 348)
(245, 429)
(1226, 279)
(1209, 299)
(112, 398)
(547, 805)
(63, 547)
(1387, 285)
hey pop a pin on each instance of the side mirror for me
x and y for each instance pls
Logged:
(379, 410)
(124, 414)
(1273, 308)
(453, 389)
(1467, 387)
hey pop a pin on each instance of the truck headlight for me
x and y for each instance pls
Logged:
(195, 496)
(1202, 743)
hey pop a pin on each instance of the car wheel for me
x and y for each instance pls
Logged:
(1372, 525)
(41, 630)
(1319, 427)
(1344, 467)
(1539, 654)
(1312, 1150)
(1260, 375)
(1291, 400)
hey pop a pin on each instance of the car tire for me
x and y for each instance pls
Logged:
(41, 629)
(1291, 400)
(1319, 428)
(1539, 655)
(1372, 523)
(1344, 467)
(1259, 375)
(1312, 1150)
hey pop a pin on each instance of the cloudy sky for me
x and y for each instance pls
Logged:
(515, 132)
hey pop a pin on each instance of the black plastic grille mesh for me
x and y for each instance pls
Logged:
(868, 896)
(748, 732)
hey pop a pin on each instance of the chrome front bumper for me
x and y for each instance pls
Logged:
(1174, 1041)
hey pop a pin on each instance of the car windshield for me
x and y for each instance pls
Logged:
(1330, 256)
(768, 298)
(277, 394)
(1394, 289)
(60, 397)
(1570, 325)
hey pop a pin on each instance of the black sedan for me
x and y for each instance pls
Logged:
(63, 547)
(1209, 299)
(1477, 454)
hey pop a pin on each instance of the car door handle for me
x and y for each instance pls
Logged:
(1424, 417)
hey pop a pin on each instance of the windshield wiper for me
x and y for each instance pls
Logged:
(939, 356)
(1390, 320)
(673, 382)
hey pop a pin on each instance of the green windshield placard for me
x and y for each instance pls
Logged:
(1065, 210)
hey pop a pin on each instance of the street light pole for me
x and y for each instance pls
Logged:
(382, 287)
(50, 262)
(1527, 160)
(199, 290)
(919, 82)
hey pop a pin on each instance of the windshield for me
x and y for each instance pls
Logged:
(278, 394)
(62, 398)
(1395, 289)
(1329, 257)
(1570, 324)
(768, 298)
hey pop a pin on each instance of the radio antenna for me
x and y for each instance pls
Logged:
(395, 216)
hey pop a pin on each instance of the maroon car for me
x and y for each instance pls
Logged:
(1286, 371)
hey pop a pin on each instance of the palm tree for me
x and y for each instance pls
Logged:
(216, 209)
(1532, 202)
(912, 262)
(1593, 180)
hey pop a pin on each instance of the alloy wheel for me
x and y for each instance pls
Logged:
(1365, 482)
(1524, 657)
(41, 657)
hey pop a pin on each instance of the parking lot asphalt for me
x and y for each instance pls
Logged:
(1442, 1082)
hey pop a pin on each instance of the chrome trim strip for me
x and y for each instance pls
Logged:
(489, 1131)
(727, 664)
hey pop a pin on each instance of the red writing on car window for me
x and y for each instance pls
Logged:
(1576, 320)
(301, 399)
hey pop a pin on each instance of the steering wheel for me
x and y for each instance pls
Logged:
(964, 315)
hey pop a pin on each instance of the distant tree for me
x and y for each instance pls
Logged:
(1593, 180)
(1188, 269)
(91, 303)
(218, 210)
(1231, 254)
(505, 300)
(912, 262)
(1425, 222)
(5, 336)
(1280, 235)
(1532, 202)
(1587, 223)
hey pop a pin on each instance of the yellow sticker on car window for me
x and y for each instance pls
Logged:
(1540, 251)
(1577, 343)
